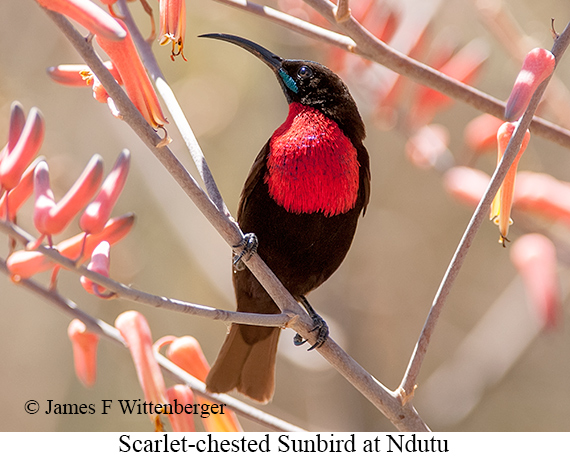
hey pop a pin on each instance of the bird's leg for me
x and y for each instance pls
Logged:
(320, 326)
(246, 247)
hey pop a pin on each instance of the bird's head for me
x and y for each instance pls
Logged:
(306, 82)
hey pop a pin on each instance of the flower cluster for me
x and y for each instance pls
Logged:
(21, 176)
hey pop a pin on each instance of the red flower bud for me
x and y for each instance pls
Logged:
(99, 210)
(100, 262)
(537, 66)
(51, 218)
(19, 194)
(16, 159)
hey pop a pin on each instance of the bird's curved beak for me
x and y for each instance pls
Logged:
(273, 61)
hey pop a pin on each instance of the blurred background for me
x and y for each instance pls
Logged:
(490, 367)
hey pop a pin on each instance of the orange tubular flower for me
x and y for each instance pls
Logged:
(100, 262)
(137, 84)
(51, 218)
(17, 123)
(537, 66)
(173, 25)
(187, 354)
(24, 264)
(69, 74)
(17, 155)
(534, 256)
(98, 211)
(135, 330)
(84, 345)
(89, 15)
(78, 74)
(502, 203)
(182, 395)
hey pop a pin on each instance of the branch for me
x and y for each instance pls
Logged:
(295, 24)
(138, 296)
(110, 333)
(409, 381)
(360, 41)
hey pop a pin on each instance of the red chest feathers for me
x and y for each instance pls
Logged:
(312, 166)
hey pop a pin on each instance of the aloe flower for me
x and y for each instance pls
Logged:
(137, 84)
(502, 203)
(173, 25)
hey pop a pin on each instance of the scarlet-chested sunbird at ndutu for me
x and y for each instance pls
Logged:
(302, 199)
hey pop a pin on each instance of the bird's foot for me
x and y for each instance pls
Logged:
(246, 247)
(319, 326)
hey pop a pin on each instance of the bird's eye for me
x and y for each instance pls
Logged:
(305, 72)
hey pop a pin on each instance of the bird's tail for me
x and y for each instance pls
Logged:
(246, 364)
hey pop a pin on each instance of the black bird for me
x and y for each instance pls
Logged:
(302, 199)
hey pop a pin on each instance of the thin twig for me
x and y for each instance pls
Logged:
(409, 381)
(293, 23)
(110, 333)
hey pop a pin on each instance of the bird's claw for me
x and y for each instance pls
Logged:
(322, 329)
(247, 247)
